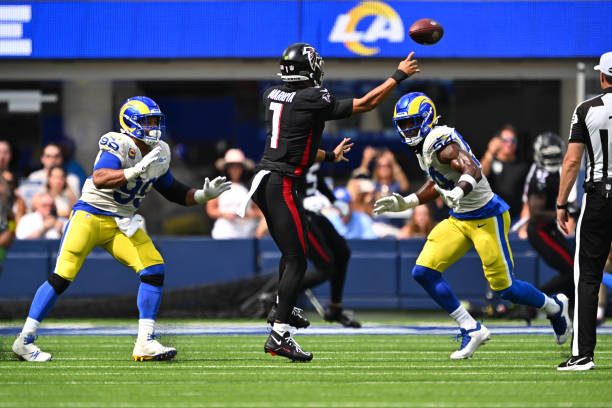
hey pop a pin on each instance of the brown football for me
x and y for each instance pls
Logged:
(426, 31)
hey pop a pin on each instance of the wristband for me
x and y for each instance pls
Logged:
(562, 206)
(399, 75)
(468, 179)
(12, 225)
(330, 157)
(411, 200)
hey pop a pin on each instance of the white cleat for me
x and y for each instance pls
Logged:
(152, 349)
(471, 340)
(560, 321)
(25, 349)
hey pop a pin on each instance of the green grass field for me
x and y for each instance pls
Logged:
(347, 371)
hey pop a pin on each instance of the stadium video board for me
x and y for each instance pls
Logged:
(261, 29)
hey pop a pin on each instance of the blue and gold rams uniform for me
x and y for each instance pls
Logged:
(481, 219)
(93, 221)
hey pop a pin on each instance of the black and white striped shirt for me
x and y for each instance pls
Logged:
(592, 125)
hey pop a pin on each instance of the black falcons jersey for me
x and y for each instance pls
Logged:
(295, 118)
(541, 181)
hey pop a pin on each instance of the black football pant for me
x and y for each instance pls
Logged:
(593, 238)
(329, 253)
(280, 200)
(553, 247)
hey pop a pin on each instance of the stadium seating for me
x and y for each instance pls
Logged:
(379, 275)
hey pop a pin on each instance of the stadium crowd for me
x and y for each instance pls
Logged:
(38, 204)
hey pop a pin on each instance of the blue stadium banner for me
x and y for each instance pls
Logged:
(262, 29)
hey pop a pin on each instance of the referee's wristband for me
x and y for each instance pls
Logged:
(330, 157)
(399, 75)
(562, 206)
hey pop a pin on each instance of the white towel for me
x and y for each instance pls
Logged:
(241, 211)
(129, 225)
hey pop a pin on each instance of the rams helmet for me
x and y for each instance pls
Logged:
(414, 117)
(301, 62)
(548, 151)
(141, 118)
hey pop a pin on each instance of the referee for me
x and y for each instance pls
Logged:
(591, 130)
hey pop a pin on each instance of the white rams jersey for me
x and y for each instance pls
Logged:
(125, 200)
(443, 175)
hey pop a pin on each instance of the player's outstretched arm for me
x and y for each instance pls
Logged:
(376, 96)
(337, 154)
(396, 202)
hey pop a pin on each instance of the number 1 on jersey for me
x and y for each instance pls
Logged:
(277, 108)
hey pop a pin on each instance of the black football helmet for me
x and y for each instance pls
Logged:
(548, 151)
(301, 62)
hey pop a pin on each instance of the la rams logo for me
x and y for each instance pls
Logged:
(385, 25)
(132, 154)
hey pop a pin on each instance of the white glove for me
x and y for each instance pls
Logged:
(132, 172)
(395, 203)
(450, 197)
(211, 189)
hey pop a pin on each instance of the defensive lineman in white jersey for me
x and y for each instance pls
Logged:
(478, 218)
(128, 165)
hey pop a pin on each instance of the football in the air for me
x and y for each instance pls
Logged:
(426, 31)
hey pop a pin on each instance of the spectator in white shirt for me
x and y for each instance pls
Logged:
(43, 222)
(223, 209)
(51, 157)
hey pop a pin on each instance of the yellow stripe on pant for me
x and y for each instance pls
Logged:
(452, 238)
(84, 231)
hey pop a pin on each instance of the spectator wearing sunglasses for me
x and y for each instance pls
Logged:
(505, 172)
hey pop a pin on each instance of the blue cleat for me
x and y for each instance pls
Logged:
(470, 341)
(560, 321)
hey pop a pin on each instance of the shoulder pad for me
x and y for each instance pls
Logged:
(439, 137)
(317, 94)
(118, 144)
(165, 150)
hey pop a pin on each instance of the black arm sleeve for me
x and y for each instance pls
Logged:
(175, 192)
(324, 189)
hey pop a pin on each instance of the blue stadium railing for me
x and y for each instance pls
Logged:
(379, 275)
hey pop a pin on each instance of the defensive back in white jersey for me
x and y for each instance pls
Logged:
(443, 175)
(125, 200)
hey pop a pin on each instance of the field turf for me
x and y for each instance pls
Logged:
(347, 371)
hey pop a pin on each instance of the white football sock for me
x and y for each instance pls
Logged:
(463, 318)
(30, 327)
(601, 312)
(280, 328)
(145, 328)
(550, 307)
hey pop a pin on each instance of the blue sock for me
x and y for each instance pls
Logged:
(523, 293)
(43, 301)
(148, 300)
(433, 282)
(607, 279)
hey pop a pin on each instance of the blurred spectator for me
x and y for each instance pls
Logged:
(7, 220)
(361, 191)
(504, 171)
(43, 222)
(420, 224)
(17, 204)
(5, 155)
(223, 209)
(51, 157)
(387, 175)
(72, 166)
(350, 223)
(57, 186)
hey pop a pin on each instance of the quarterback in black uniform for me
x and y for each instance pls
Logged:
(296, 112)
(540, 194)
(327, 250)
